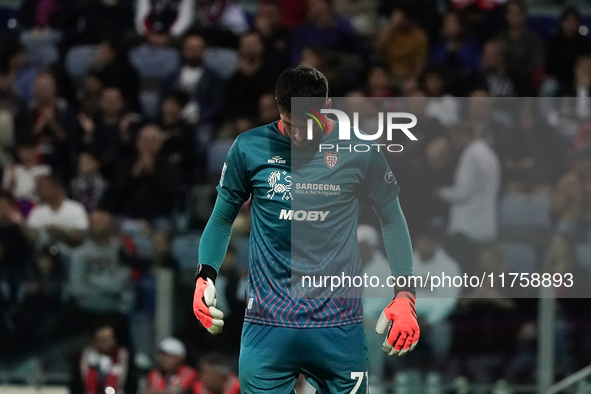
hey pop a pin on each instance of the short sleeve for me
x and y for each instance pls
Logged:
(379, 185)
(79, 218)
(35, 219)
(234, 186)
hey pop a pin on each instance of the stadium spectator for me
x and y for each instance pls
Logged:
(361, 13)
(441, 105)
(313, 56)
(268, 111)
(324, 29)
(172, 373)
(472, 197)
(95, 21)
(51, 123)
(403, 46)
(216, 376)
(524, 49)
(573, 317)
(438, 166)
(374, 263)
(565, 47)
(487, 347)
(255, 76)
(15, 246)
(112, 67)
(579, 87)
(102, 364)
(8, 113)
(293, 13)
(179, 143)
(41, 15)
(275, 35)
(170, 17)
(217, 17)
(98, 279)
(19, 179)
(378, 81)
(40, 312)
(18, 76)
(494, 75)
(89, 94)
(572, 105)
(111, 134)
(571, 200)
(455, 51)
(57, 219)
(145, 186)
(532, 153)
(435, 307)
(88, 187)
(201, 83)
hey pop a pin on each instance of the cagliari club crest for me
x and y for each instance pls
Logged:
(331, 159)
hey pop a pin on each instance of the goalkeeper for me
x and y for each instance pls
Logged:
(283, 336)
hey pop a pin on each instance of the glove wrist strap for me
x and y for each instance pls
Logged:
(206, 271)
(409, 287)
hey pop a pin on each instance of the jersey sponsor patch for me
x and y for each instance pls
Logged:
(301, 215)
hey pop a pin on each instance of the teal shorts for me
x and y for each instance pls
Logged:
(333, 359)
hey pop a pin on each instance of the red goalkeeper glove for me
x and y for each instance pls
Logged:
(204, 301)
(404, 332)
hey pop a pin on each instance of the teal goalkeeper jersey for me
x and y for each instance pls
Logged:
(304, 214)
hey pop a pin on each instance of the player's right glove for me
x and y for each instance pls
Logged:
(205, 299)
(404, 332)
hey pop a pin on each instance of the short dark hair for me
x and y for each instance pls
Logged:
(27, 143)
(519, 3)
(300, 81)
(92, 153)
(55, 179)
(571, 11)
(216, 360)
(178, 96)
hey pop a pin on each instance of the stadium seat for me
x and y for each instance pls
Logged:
(150, 101)
(154, 62)
(525, 209)
(216, 155)
(42, 51)
(185, 249)
(525, 217)
(78, 60)
(222, 60)
(519, 257)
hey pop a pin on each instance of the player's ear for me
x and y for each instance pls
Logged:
(328, 104)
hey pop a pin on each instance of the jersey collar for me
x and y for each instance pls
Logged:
(329, 126)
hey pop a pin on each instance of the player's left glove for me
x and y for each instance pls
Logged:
(404, 332)
(205, 299)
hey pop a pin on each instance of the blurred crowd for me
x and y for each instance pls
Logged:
(115, 120)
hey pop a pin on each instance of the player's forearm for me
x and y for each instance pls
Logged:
(216, 236)
(396, 239)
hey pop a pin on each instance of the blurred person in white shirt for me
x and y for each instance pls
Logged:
(57, 219)
(19, 178)
(473, 196)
